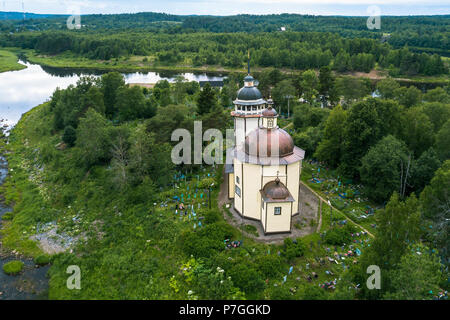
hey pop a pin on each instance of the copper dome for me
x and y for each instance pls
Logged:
(275, 190)
(269, 112)
(258, 143)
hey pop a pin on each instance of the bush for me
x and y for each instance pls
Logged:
(42, 260)
(270, 265)
(339, 235)
(206, 241)
(247, 278)
(293, 249)
(69, 136)
(13, 267)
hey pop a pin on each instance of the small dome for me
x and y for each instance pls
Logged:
(249, 94)
(249, 78)
(261, 138)
(270, 112)
(276, 190)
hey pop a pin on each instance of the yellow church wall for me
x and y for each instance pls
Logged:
(251, 186)
(231, 182)
(263, 213)
(278, 223)
(293, 183)
(270, 174)
(238, 173)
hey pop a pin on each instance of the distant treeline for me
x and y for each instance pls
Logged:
(294, 50)
(430, 32)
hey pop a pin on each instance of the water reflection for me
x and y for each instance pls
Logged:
(22, 90)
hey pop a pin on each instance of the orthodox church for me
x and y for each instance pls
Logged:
(264, 177)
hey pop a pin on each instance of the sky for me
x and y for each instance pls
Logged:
(231, 7)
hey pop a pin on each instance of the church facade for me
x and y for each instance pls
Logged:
(264, 178)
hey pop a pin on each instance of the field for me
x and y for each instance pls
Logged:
(8, 61)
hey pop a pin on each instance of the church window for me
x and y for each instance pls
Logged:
(270, 123)
(238, 190)
(277, 211)
(237, 179)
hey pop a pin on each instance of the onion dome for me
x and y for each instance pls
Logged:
(249, 94)
(270, 112)
(276, 190)
(258, 143)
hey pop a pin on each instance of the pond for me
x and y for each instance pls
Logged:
(22, 90)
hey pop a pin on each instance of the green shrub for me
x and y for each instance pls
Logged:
(42, 260)
(69, 136)
(247, 278)
(293, 250)
(13, 267)
(251, 229)
(269, 265)
(339, 235)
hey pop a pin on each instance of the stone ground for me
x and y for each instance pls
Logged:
(308, 208)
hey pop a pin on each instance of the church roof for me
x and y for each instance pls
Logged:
(276, 191)
(261, 141)
(249, 94)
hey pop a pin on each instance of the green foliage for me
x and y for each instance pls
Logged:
(269, 265)
(387, 87)
(42, 260)
(13, 267)
(383, 167)
(339, 235)
(246, 278)
(443, 142)
(417, 276)
(69, 136)
(330, 148)
(292, 250)
(206, 100)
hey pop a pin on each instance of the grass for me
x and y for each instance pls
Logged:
(8, 61)
(13, 267)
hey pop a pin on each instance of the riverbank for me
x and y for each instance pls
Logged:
(148, 64)
(9, 61)
(31, 282)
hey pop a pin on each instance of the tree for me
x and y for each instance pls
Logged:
(438, 113)
(206, 99)
(330, 148)
(309, 84)
(417, 130)
(435, 200)
(417, 276)
(281, 92)
(131, 104)
(443, 142)
(120, 158)
(423, 169)
(149, 158)
(398, 225)
(326, 81)
(383, 167)
(93, 138)
(408, 97)
(308, 139)
(69, 136)
(110, 83)
(387, 87)
(437, 95)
